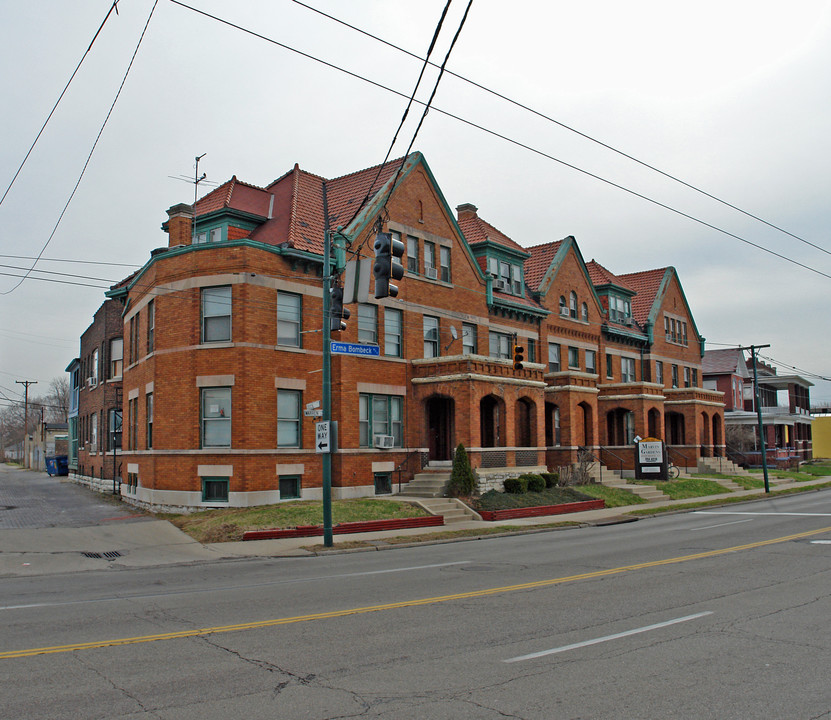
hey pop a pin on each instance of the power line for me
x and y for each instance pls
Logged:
(80, 262)
(565, 127)
(60, 97)
(436, 33)
(506, 138)
(92, 150)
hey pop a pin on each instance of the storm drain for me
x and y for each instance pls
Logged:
(110, 555)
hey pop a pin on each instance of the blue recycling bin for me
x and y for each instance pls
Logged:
(57, 465)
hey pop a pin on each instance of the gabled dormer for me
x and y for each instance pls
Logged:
(498, 256)
(615, 294)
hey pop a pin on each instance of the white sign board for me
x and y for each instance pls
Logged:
(322, 437)
(313, 412)
(650, 453)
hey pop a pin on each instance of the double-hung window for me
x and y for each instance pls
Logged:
(151, 326)
(367, 324)
(93, 432)
(469, 344)
(574, 358)
(116, 357)
(114, 423)
(499, 345)
(132, 422)
(627, 370)
(289, 313)
(675, 376)
(591, 361)
(216, 417)
(695, 377)
(516, 280)
(430, 260)
(431, 336)
(216, 314)
(444, 263)
(553, 357)
(288, 418)
(94, 367)
(659, 372)
(610, 366)
(148, 402)
(572, 304)
(686, 377)
(393, 328)
(412, 254)
(380, 415)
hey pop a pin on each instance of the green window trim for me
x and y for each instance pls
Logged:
(215, 489)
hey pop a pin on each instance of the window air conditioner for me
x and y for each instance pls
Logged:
(564, 311)
(90, 381)
(431, 273)
(384, 441)
(628, 322)
(501, 285)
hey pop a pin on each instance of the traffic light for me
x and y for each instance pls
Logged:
(388, 253)
(519, 351)
(338, 314)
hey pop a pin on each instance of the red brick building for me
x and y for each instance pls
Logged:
(223, 348)
(100, 366)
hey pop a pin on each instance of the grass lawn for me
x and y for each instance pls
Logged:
(747, 483)
(495, 500)
(614, 497)
(228, 524)
(687, 488)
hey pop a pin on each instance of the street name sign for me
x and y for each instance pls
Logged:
(345, 348)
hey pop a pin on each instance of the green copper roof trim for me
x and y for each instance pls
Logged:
(370, 212)
(669, 273)
(184, 249)
(547, 281)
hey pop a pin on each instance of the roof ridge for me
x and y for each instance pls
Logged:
(294, 193)
(403, 159)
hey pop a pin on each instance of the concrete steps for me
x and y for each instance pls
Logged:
(612, 478)
(451, 509)
(428, 483)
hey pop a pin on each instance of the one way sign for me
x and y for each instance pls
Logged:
(325, 436)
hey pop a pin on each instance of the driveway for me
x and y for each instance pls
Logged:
(30, 499)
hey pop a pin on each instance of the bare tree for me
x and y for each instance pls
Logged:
(57, 400)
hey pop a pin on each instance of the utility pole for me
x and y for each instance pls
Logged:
(25, 384)
(757, 401)
(327, 371)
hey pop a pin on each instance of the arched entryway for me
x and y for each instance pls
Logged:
(717, 439)
(674, 426)
(653, 422)
(552, 425)
(525, 423)
(439, 412)
(704, 448)
(620, 427)
(584, 427)
(492, 421)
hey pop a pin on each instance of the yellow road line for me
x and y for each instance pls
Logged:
(95, 644)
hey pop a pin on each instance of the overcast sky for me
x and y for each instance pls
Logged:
(731, 97)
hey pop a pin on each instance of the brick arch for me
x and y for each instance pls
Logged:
(525, 422)
(492, 421)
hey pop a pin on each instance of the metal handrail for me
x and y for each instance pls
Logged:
(614, 455)
(407, 458)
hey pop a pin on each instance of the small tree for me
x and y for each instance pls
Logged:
(462, 480)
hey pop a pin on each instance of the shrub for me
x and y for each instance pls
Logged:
(551, 479)
(516, 485)
(462, 481)
(536, 483)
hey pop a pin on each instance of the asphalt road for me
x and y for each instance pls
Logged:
(722, 614)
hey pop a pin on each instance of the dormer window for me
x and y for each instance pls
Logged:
(620, 309)
(205, 236)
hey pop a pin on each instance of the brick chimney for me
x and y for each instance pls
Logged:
(466, 211)
(179, 225)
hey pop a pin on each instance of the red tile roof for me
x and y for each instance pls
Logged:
(537, 265)
(601, 276)
(237, 195)
(646, 284)
(477, 231)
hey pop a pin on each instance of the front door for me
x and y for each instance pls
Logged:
(439, 412)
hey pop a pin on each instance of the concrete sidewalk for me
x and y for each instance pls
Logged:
(41, 551)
